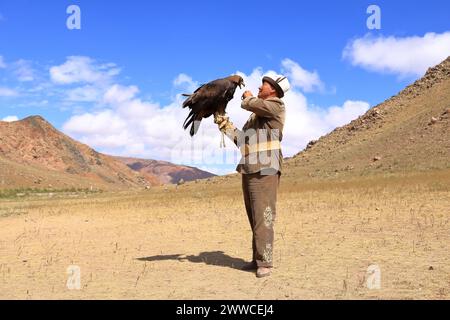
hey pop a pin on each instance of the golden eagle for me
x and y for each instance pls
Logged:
(210, 99)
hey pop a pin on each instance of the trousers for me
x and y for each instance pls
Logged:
(260, 198)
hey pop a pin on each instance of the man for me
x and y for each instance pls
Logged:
(260, 166)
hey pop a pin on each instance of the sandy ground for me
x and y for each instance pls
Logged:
(189, 242)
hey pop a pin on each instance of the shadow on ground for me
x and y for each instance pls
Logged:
(214, 258)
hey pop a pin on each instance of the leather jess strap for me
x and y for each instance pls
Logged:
(259, 147)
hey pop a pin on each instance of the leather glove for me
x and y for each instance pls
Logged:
(224, 123)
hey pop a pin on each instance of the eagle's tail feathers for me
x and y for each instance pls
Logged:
(194, 127)
(188, 120)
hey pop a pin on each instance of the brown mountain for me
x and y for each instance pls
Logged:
(35, 154)
(409, 132)
(164, 172)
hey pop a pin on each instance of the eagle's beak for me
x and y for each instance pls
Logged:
(242, 84)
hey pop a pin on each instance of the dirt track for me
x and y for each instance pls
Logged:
(188, 243)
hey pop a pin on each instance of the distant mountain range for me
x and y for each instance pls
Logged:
(164, 172)
(35, 154)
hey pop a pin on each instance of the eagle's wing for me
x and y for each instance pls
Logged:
(209, 93)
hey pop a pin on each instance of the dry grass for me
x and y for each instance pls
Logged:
(188, 242)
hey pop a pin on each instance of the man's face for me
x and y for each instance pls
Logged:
(266, 91)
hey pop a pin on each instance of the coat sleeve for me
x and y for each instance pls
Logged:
(263, 108)
(235, 135)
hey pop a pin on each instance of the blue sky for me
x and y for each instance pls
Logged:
(146, 45)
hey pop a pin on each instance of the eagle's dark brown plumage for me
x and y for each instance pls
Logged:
(210, 99)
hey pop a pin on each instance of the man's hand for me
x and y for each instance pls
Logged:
(247, 94)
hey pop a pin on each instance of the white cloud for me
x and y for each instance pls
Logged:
(132, 127)
(10, 118)
(337, 116)
(2, 61)
(24, 70)
(95, 79)
(118, 94)
(407, 56)
(301, 78)
(84, 94)
(184, 81)
(107, 122)
(6, 92)
(79, 69)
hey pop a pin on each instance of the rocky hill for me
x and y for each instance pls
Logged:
(35, 154)
(408, 132)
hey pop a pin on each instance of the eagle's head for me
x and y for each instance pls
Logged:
(237, 80)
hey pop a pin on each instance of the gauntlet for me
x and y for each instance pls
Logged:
(224, 123)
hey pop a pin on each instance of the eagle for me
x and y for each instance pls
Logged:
(210, 99)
